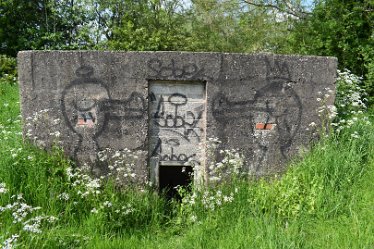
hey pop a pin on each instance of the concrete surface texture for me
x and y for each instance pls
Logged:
(161, 109)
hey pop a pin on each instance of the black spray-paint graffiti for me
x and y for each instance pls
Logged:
(175, 120)
(177, 127)
(276, 103)
(171, 155)
(175, 131)
(88, 109)
(160, 70)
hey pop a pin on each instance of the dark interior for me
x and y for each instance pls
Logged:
(172, 176)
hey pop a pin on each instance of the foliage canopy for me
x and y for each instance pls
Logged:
(344, 29)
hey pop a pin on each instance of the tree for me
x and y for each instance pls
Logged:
(235, 26)
(41, 24)
(295, 8)
(142, 24)
(18, 23)
(69, 25)
(341, 28)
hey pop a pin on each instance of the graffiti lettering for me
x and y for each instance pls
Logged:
(171, 155)
(189, 70)
(175, 122)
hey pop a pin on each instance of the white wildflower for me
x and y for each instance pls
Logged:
(193, 218)
(63, 196)
(10, 242)
(312, 124)
(107, 204)
(355, 135)
(116, 154)
(3, 188)
(33, 228)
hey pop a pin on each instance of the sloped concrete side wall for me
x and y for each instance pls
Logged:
(88, 101)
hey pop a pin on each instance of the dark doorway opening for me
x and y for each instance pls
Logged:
(172, 176)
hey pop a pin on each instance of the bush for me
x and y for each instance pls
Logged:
(8, 65)
(8, 69)
(351, 97)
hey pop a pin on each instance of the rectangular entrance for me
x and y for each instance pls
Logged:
(176, 131)
(172, 176)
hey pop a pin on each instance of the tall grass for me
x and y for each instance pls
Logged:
(324, 200)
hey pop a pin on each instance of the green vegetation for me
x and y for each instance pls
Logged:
(324, 200)
(343, 29)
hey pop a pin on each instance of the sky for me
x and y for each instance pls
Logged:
(307, 3)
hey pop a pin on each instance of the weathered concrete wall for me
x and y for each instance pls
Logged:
(164, 105)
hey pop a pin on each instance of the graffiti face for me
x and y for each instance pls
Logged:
(90, 111)
(274, 113)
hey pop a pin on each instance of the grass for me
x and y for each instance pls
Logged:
(324, 200)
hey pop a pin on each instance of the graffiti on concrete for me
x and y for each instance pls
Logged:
(89, 111)
(175, 119)
(160, 69)
(275, 112)
(176, 125)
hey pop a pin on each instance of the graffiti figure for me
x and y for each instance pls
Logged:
(88, 109)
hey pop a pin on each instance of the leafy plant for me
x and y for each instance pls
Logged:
(343, 29)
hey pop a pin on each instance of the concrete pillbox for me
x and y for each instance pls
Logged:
(164, 108)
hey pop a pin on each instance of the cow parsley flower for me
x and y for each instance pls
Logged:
(63, 196)
(107, 204)
(355, 135)
(3, 188)
(10, 242)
